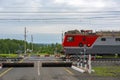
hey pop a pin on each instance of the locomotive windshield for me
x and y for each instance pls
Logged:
(70, 39)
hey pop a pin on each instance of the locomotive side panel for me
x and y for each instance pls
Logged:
(94, 50)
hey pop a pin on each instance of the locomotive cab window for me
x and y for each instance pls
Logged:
(70, 39)
(103, 39)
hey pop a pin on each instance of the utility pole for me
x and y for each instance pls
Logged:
(25, 41)
(32, 42)
(62, 36)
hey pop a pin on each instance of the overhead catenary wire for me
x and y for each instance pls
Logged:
(24, 14)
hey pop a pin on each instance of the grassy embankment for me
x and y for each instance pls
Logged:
(9, 55)
(112, 71)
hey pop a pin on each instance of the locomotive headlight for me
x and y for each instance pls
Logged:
(88, 45)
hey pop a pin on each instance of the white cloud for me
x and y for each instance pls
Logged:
(60, 1)
(11, 30)
(52, 28)
(83, 19)
(45, 29)
(88, 4)
(1, 9)
(36, 5)
(77, 3)
(21, 5)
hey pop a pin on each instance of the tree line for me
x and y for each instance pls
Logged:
(50, 48)
(17, 46)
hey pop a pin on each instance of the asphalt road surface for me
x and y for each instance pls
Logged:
(46, 73)
(39, 73)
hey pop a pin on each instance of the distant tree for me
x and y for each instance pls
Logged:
(13, 46)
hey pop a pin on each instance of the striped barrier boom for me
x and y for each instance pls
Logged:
(56, 64)
(5, 65)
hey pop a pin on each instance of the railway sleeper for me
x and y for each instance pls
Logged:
(6, 65)
(56, 64)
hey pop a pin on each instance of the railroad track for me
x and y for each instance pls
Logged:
(106, 62)
(12, 59)
(107, 59)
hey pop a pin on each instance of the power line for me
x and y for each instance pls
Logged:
(60, 18)
(117, 11)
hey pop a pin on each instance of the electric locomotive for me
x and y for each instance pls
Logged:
(99, 42)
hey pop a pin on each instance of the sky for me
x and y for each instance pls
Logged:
(47, 19)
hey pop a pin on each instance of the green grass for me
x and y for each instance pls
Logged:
(107, 57)
(113, 71)
(8, 55)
